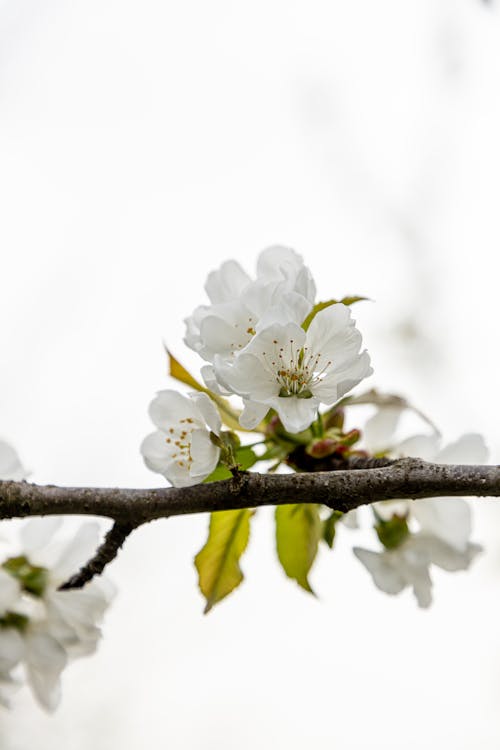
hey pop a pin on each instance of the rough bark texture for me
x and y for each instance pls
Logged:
(341, 490)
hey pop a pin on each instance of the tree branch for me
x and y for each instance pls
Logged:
(107, 552)
(341, 490)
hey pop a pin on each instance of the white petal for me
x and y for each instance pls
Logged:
(331, 329)
(211, 382)
(448, 518)
(45, 660)
(253, 413)
(385, 575)
(82, 547)
(10, 465)
(11, 649)
(290, 308)
(419, 446)
(450, 559)
(378, 432)
(225, 331)
(37, 533)
(156, 452)
(169, 407)
(226, 283)
(208, 410)
(204, 453)
(297, 414)
(337, 382)
(468, 449)
(248, 377)
(273, 259)
(179, 476)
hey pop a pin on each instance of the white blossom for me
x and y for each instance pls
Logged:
(283, 291)
(292, 371)
(43, 628)
(181, 448)
(408, 565)
(447, 518)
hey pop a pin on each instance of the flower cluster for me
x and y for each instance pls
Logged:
(41, 627)
(292, 361)
(268, 342)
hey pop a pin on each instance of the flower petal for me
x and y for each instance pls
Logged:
(37, 533)
(468, 449)
(338, 382)
(208, 410)
(448, 518)
(157, 454)
(297, 414)
(226, 283)
(10, 465)
(169, 407)
(378, 432)
(204, 453)
(253, 413)
(45, 660)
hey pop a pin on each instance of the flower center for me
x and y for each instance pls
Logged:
(296, 369)
(179, 440)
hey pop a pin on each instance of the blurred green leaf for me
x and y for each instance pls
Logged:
(323, 305)
(392, 533)
(329, 525)
(298, 531)
(217, 563)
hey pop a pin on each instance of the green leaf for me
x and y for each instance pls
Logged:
(323, 305)
(298, 531)
(217, 563)
(245, 458)
(392, 533)
(329, 525)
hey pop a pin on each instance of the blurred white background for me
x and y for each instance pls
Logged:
(143, 143)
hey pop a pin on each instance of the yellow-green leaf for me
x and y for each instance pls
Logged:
(323, 305)
(245, 458)
(298, 531)
(217, 563)
(177, 371)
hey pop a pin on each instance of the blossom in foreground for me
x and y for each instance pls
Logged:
(393, 570)
(447, 518)
(283, 291)
(292, 371)
(181, 448)
(42, 628)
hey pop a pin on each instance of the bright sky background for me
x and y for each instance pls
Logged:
(143, 143)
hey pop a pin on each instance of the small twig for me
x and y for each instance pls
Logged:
(104, 555)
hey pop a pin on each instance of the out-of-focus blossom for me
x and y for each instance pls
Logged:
(408, 565)
(41, 627)
(447, 518)
(181, 448)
